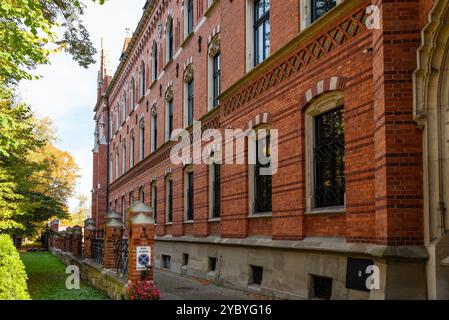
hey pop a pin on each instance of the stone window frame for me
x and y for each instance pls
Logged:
(186, 19)
(117, 162)
(124, 107)
(249, 26)
(141, 139)
(213, 51)
(320, 105)
(123, 156)
(213, 159)
(132, 93)
(251, 175)
(169, 30)
(132, 149)
(153, 188)
(154, 61)
(142, 80)
(154, 129)
(305, 12)
(117, 116)
(168, 178)
(188, 78)
(168, 100)
(187, 170)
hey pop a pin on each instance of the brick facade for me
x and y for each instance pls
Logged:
(373, 69)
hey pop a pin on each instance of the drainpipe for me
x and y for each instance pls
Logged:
(106, 97)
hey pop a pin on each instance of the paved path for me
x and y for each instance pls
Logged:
(176, 287)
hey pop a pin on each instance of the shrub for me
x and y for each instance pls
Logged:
(13, 277)
(142, 290)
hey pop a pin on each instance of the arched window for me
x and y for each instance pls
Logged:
(153, 129)
(123, 156)
(132, 92)
(169, 39)
(142, 80)
(169, 199)
(117, 116)
(141, 194)
(124, 108)
(117, 163)
(189, 194)
(131, 149)
(325, 150)
(154, 61)
(141, 139)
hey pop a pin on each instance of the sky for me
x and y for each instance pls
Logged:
(67, 92)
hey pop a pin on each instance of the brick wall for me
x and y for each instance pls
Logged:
(383, 146)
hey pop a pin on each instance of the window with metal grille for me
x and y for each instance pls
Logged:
(217, 78)
(261, 30)
(190, 191)
(169, 200)
(216, 190)
(263, 182)
(190, 103)
(189, 17)
(320, 7)
(329, 159)
(322, 288)
(256, 275)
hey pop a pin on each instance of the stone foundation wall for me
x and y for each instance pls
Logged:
(102, 279)
(291, 267)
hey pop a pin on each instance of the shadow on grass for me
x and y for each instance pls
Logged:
(46, 279)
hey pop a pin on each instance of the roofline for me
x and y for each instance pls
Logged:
(149, 7)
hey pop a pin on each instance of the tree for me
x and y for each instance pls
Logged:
(28, 35)
(81, 212)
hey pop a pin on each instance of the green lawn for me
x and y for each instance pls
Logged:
(46, 279)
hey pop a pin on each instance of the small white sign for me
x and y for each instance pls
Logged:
(143, 258)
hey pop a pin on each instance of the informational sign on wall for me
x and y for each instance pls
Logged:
(143, 258)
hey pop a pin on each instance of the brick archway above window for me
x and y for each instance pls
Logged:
(322, 86)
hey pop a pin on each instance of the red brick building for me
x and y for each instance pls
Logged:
(351, 191)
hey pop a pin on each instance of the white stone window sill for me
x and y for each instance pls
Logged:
(189, 222)
(329, 210)
(169, 223)
(214, 220)
(260, 215)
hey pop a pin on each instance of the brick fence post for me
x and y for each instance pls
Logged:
(69, 239)
(141, 234)
(63, 241)
(89, 228)
(77, 240)
(113, 228)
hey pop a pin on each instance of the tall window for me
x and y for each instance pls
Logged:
(217, 78)
(154, 59)
(190, 102)
(110, 125)
(116, 205)
(141, 194)
(189, 16)
(131, 149)
(141, 140)
(216, 189)
(262, 180)
(142, 80)
(123, 156)
(169, 43)
(329, 163)
(132, 92)
(154, 200)
(320, 7)
(189, 193)
(111, 167)
(169, 121)
(124, 111)
(153, 131)
(131, 199)
(117, 116)
(169, 200)
(123, 210)
(261, 30)
(117, 162)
